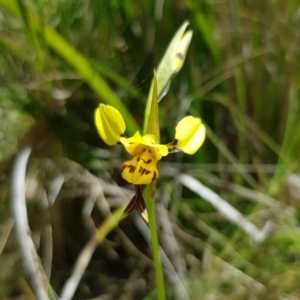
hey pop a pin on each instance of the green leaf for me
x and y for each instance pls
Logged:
(153, 121)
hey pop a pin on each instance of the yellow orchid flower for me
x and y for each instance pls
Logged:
(146, 151)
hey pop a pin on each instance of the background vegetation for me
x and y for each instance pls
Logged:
(60, 58)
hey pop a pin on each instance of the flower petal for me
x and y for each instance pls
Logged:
(110, 124)
(134, 145)
(161, 150)
(190, 134)
(141, 169)
(150, 140)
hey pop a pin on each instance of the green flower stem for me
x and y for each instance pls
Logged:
(155, 244)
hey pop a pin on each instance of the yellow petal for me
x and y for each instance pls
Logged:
(181, 51)
(141, 169)
(134, 145)
(150, 140)
(109, 123)
(190, 134)
(161, 150)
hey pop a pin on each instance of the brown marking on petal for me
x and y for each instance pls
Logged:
(174, 143)
(172, 146)
(180, 56)
(144, 171)
(122, 135)
(154, 175)
(131, 168)
(147, 161)
(149, 151)
(138, 159)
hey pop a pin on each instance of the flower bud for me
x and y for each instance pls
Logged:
(181, 51)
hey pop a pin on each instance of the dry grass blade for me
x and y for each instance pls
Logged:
(226, 209)
(29, 255)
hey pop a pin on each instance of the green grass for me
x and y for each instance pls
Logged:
(59, 59)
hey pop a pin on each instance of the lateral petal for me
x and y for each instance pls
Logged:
(109, 123)
(190, 134)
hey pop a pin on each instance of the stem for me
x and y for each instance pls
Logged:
(155, 244)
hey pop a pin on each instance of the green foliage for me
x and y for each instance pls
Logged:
(152, 124)
(59, 58)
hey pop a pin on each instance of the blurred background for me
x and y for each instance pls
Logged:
(60, 58)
